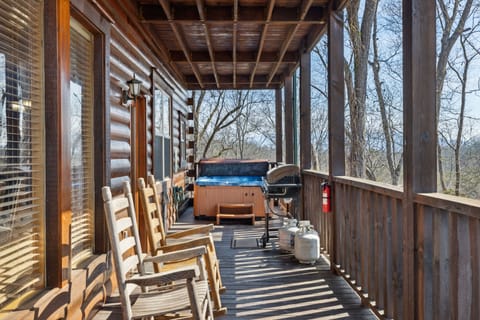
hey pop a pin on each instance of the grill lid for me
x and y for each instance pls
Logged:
(278, 174)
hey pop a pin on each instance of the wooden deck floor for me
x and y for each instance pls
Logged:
(265, 283)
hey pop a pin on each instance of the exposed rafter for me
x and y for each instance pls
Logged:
(235, 44)
(227, 56)
(226, 14)
(202, 14)
(268, 19)
(234, 60)
(178, 35)
(243, 82)
(293, 29)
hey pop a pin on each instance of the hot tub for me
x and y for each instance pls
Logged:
(229, 181)
(237, 181)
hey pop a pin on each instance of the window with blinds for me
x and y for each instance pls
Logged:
(82, 158)
(21, 149)
(161, 106)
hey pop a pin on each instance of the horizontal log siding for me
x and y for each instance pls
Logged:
(122, 66)
(124, 61)
(369, 246)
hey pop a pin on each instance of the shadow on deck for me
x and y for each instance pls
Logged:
(265, 283)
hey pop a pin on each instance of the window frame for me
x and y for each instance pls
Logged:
(58, 169)
(159, 84)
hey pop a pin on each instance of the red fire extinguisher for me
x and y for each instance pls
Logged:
(326, 197)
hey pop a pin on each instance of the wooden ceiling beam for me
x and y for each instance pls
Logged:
(165, 4)
(202, 14)
(304, 8)
(234, 49)
(227, 14)
(227, 56)
(227, 80)
(269, 13)
(314, 36)
(272, 86)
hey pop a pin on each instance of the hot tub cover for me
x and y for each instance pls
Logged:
(232, 167)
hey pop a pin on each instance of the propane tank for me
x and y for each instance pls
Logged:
(307, 244)
(286, 234)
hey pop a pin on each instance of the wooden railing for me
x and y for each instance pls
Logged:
(364, 237)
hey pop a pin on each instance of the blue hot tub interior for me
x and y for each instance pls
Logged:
(231, 172)
(245, 181)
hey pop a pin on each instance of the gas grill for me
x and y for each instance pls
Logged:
(281, 182)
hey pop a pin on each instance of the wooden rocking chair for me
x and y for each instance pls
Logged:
(172, 293)
(160, 241)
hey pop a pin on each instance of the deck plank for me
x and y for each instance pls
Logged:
(265, 283)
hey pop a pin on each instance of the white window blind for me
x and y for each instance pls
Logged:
(81, 104)
(21, 149)
(161, 103)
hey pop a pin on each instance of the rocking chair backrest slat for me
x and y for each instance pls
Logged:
(126, 244)
(130, 264)
(120, 205)
(124, 224)
(156, 201)
(124, 239)
(154, 293)
(154, 221)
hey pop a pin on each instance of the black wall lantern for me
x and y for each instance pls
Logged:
(134, 86)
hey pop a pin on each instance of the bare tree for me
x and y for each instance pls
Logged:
(394, 165)
(255, 128)
(360, 38)
(210, 121)
(461, 70)
(229, 124)
(451, 17)
(319, 125)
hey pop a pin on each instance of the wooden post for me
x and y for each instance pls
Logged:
(278, 125)
(58, 178)
(141, 157)
(336, 116)
(289, 119)
(305, 112)
(420, 134)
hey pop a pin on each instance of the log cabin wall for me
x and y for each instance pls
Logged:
(129, 54)
(120, 50)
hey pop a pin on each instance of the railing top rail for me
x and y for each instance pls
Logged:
(372, 186)
(322, 175)
(450, 203)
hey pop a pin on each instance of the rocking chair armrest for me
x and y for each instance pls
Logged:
(188, 272)
(205, 230)
(177, 255)
(174, 247)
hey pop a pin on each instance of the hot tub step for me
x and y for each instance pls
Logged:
(235, 211)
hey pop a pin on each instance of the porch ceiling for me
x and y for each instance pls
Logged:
(234, 44)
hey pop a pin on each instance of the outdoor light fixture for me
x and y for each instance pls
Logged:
(133, 91)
